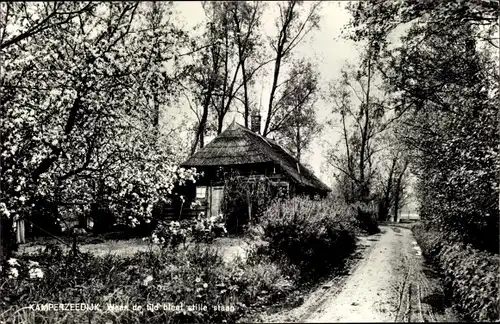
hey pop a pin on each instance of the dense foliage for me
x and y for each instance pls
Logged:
(200, 230)
(444, 77)
(455, 141)
(367, 217)
(471, 276)
(314, 236)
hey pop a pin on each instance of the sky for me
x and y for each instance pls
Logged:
(324, 46)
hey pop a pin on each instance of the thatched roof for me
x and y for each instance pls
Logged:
(238, 145)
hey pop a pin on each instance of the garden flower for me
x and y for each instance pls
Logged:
(205, 285)
(13, 262)
(197, 279)
(33, 264)
(35, 273)
(13, 273)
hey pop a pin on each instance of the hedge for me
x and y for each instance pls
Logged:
(471, 277)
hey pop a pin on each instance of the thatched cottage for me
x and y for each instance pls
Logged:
(250, 155)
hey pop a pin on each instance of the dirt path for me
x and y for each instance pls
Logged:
(390, 283)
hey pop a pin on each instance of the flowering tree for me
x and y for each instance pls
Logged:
(80, 108)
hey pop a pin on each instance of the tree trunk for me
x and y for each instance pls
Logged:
(399, 191)
(396, 206)
(277, 67)
(220, 121)
(200, 133)
(386, 200)
(365, 136)
(298, 140)
(7, 238)
(245, 94)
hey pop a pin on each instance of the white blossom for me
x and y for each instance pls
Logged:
(13, 273)
(35, 273)
(13, 262)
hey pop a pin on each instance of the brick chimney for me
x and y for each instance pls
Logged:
(255, 123)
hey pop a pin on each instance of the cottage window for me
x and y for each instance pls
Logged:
(282, 189)
(201, 192)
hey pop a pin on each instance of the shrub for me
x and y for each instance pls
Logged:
(200, 230)
(471, 277)
(367, 218)
(314, 236)
(238, 192)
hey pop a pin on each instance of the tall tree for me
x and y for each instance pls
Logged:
(363, 117)
(293, 25)
(205, 79)
(393, 175)
(233, 43)
(246, 19)
(295, 124)
(219, 15)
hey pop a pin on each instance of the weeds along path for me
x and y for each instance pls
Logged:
(389, 283)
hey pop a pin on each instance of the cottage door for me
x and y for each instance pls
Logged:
(216, 200)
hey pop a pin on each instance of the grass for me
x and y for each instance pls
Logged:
(229, 247)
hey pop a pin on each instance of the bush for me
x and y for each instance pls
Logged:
(238, 192)
(199, 230)
(367, 218)
(312, 235)
(471, 277)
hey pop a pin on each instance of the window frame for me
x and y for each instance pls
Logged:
(204, 189)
